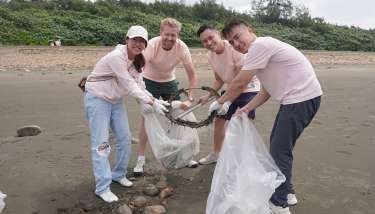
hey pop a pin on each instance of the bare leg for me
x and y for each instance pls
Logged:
(142, 138)
(141, 160)
(219, 134)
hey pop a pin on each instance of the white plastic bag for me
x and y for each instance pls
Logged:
(245, 176)
(173, 145)
(2, 203)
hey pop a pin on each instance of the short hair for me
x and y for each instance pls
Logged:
(203, 28)
(171, 22)
(233, 23)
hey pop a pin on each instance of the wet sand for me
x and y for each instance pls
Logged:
(333, 166)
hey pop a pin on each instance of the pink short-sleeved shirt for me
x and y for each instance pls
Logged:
(283, 71)
(161, 64)
(227, 65)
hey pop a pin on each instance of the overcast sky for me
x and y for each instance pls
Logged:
(360, 13)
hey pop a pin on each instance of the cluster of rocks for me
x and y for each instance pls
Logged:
(149, 195)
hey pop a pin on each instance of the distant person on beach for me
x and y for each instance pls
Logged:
(225, 63)
(163, 54)
(116, 75)
(287, 76)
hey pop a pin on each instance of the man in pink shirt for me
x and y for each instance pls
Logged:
(163, 54)
(225, 63)
(287, 76)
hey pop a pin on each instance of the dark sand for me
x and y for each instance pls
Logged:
(334, 169)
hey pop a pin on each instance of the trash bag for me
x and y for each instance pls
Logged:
(245, 176)
(173, 145)
(2, 203)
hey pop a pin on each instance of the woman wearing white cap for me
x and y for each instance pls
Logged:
(116, 75)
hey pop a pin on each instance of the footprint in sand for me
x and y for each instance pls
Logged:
(367, 124)
(344, 152)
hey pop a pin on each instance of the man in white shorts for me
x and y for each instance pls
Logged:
(287, 76)
(163, 54)
(225, 63)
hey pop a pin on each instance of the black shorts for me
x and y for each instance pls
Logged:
(164, 90)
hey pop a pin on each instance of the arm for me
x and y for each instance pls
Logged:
(217, 83)
(258, 100)
(127, 81)
(192, 77)
(237, 85)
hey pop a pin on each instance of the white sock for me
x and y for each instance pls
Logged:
(142, 158)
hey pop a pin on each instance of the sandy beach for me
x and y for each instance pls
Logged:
(50, 173)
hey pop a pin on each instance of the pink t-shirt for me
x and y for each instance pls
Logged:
(283, 71)
(125, 78)
(227, 65)
(161, 64)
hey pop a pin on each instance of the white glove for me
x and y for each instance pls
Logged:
(221, 109)
(215, 106)
(163, 102)
(146, 108)
(224, 108)
(159, 108)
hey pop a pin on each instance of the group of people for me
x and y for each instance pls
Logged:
(248, 68)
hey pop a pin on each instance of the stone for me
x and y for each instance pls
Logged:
(151, 190)
(124, 209)
(31, 130)
(140, 201)
(155, 209)
(161, 185)
(166, 192)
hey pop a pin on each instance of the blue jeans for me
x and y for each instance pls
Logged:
(101, 116)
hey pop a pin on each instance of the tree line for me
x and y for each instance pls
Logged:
(104, 22)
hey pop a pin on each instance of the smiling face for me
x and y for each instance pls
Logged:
(240, 37)
(169, 36)
(211, 40)
(135, 46)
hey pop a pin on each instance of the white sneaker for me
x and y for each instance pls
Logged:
(138, 169)
(108, 197)
(279, 210)
(209, 159)
(192, 164)
(125, 182)
(292, 199)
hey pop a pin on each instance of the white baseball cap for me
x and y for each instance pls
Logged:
(137, 31)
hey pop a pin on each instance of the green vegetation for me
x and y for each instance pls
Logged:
(104, 22)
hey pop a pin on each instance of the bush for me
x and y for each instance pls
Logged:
(105, 22)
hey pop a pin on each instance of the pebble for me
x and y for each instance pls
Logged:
(156, 209)
(151, 190)
(161, 185)
(124, 209)
(31, 130)
(165, 193)
(140, 201)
